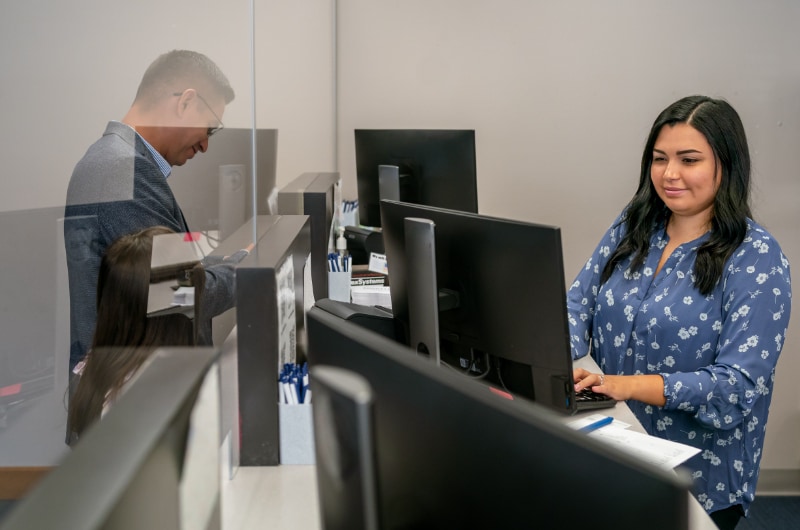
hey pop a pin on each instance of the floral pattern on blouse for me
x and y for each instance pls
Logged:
(716, 353)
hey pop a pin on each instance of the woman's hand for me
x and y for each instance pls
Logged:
(586, 379)
(645, 388)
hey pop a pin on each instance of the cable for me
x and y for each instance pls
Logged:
(500, 374)
(468, 371)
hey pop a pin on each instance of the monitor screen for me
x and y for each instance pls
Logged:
(505, 279)
(449, 453)
(434, 167)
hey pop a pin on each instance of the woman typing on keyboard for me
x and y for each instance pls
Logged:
(685, 303)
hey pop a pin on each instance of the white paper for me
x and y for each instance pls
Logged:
(371, 295)
(652, 449)
(183, 296)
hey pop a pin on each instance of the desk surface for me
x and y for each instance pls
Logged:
(286, 496)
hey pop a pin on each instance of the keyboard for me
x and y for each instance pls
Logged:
(588, 400)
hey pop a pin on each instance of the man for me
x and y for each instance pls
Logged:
(120, 185)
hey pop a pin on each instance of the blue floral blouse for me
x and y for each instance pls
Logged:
(716, 353)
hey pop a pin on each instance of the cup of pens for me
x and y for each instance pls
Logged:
(339, 271)
(295, 416)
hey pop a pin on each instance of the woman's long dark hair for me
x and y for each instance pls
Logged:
(720, 124)
(124, 336)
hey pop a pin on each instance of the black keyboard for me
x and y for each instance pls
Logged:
(586, 399)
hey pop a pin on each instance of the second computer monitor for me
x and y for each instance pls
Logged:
(433, 166)
(502, 298)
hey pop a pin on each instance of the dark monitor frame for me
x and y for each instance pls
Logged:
(437, 167)
(263, 331)
(315, 194)
(503, 281)
(450, 453)
(126, 471)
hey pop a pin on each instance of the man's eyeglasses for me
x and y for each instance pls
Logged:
(211, 130)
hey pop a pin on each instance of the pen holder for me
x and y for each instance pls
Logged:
(339, 286)
(296, 434)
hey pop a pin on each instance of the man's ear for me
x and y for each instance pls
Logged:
(186, 97)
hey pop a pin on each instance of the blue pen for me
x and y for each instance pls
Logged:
(602, 422)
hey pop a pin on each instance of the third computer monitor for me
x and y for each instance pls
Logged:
(432, 166)
(449, 453)
(502, 298)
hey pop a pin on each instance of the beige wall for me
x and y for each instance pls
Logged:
(561, 96)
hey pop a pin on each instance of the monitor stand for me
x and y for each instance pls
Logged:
(423, 292)
(346, 461)
(389, 182)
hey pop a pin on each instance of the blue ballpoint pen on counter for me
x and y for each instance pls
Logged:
(602, 422)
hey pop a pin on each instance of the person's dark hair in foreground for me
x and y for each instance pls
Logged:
(125, 336)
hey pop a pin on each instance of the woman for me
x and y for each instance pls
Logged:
(124, 337)
(686, 301)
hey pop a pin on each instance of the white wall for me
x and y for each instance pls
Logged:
(562, 96)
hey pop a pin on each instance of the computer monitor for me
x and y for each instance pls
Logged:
(215, 188)
(152, 461)
(450, 453)
(316, 194)
(504, 283)
(431, 166)
(270, 327)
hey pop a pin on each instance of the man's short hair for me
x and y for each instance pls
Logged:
(181, 69)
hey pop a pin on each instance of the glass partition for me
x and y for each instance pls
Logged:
(66, 75)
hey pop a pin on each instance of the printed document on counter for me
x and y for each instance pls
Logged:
(658, 451)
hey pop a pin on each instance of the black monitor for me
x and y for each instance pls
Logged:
(152, 461)
(431, 166)
(503, 282)
(215, 188)
(316, 194)
(270, 327)
(450, 453)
